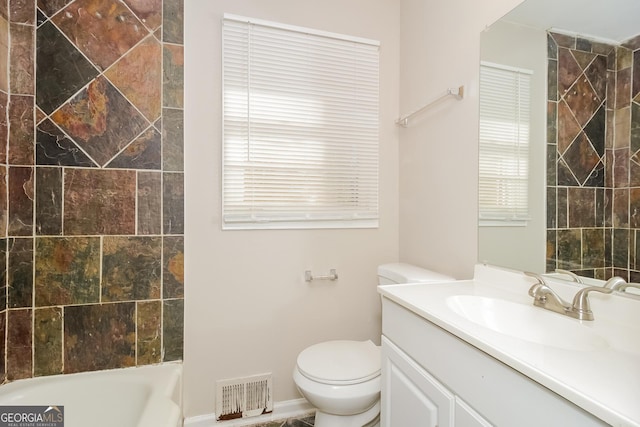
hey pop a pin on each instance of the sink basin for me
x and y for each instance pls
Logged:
(526, 322)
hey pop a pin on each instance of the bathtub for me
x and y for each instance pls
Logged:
(149, 396)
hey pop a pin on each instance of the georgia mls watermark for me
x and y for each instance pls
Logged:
(31, 416)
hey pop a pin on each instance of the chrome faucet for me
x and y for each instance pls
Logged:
(619, 284)
(545, 297)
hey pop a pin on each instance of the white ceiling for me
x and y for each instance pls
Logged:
(607, 20)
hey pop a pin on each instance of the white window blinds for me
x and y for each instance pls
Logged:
(504, 144)
(300, 127)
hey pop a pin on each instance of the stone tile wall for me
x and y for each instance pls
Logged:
(593, 174)
(91, 185)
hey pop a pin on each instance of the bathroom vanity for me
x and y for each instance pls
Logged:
(478, 353)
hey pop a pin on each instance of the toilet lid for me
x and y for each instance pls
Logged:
(340, 362)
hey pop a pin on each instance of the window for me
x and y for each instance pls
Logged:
(300, 127)
(504, 144)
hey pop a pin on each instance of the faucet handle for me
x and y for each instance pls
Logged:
(615, 283)
(533, 289)
(571, 274)
(545, 297)
(619, 284)
(580, 307)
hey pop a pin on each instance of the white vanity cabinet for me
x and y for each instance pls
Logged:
(410, 393)
(412, 396)
(432, 378)
(465, 416)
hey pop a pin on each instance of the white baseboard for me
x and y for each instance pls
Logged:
(281, 410)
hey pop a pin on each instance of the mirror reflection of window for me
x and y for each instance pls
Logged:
(504, 144)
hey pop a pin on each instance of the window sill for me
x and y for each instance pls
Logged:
(300, 225)
(503, 223)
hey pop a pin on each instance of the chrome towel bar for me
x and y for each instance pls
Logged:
(457, 93)
(333, 275)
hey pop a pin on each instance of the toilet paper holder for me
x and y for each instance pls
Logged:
(333, 275)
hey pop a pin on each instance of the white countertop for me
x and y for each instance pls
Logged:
(604, 380)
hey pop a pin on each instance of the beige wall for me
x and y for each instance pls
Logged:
(247, 307)
(439, 153)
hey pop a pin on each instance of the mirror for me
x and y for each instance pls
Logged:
(584, 150)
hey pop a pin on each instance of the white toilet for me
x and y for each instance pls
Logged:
(341, 379)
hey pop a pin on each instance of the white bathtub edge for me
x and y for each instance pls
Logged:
(281, 410)
(155, 399)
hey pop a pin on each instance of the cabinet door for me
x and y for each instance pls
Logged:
(410, 396)
(466, 417)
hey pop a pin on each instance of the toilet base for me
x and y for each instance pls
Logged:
(368, 418)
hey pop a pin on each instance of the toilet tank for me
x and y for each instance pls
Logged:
(399, 272)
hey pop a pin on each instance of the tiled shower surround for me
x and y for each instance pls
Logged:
(593, 157)
(91, 185)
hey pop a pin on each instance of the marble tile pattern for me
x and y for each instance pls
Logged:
(47, 341)
(20, 272)
(91, 185)
(593, 157)
(108, 330)
(100, 120)
(21, 130)
(67, 271)
(131, 268)
(19, 343)
(103, 30)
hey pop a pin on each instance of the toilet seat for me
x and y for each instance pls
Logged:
(340, 362)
